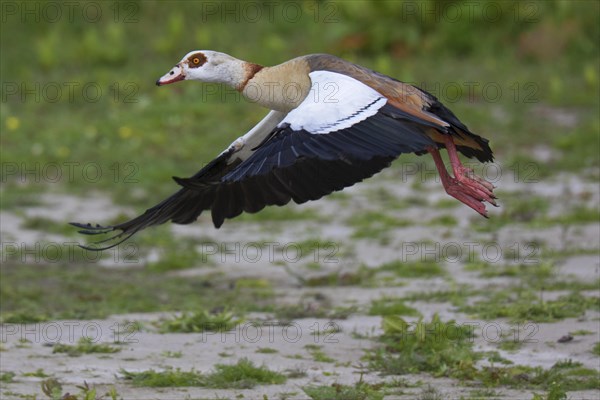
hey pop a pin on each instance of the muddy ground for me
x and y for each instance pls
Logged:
(346, 345)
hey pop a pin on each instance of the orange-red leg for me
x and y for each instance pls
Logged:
(465, 186)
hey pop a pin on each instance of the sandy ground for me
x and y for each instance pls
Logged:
(148, 349)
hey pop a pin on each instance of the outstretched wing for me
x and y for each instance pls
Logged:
(342, 133)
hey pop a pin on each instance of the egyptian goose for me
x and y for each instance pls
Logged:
(332, 124)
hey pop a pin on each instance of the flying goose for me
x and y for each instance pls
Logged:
(332, 124)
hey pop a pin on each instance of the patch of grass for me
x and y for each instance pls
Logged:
(443, 220)
(526, 272)
(578, 215)
(596, 349)
(317, 353)
(374, 225)
(167, 378)
(40, 292)
(510, 345)
(23, 317)
(495, 357)
(581, 332)
(541, 275)
(84, 345)
(457, 296)
(440, 348)
(518, 207)
(52, 388)
(266, 350)
(567, 375)
(200, 321)
(445, 203)
(445, 349)
(176, 254)
(355, 278)
(48, 225)
(358, 391)
(418, 269)
(391, 306)
(7, 377)
(577, 149)
(260, 288)
(519, 304)
(242, 375)
(39, 373)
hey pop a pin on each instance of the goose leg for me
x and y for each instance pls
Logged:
(464, 186)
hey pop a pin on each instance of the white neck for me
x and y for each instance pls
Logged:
(231, 73)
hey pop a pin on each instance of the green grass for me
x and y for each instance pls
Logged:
(267, 350)
(84, 346)
(446, 349)
(200, 321)
(317, 353)
(518, 207)
(113, 133)
(440, 348)
(596, 349)
(242, 375)
(373, 224)
(391, 306)
(443, 220)
(53, 389)
(358, 391)
(567, 375)
(47, 225)
(39, 373)
(418, 269)
(177, 129)
(457, 295)
(34, 293)
(525, 305)
(7, 377)
(361, 276)
(167, 378)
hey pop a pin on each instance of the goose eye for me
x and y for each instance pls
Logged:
(196, 60)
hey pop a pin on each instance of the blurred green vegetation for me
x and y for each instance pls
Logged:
(543, 56)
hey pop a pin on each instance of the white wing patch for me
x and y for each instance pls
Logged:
(335, 102)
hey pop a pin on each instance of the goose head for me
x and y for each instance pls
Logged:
(207, 66)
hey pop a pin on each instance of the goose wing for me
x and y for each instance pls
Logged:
(343, 132)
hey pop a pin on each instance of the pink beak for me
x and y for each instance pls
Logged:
(174, 75)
